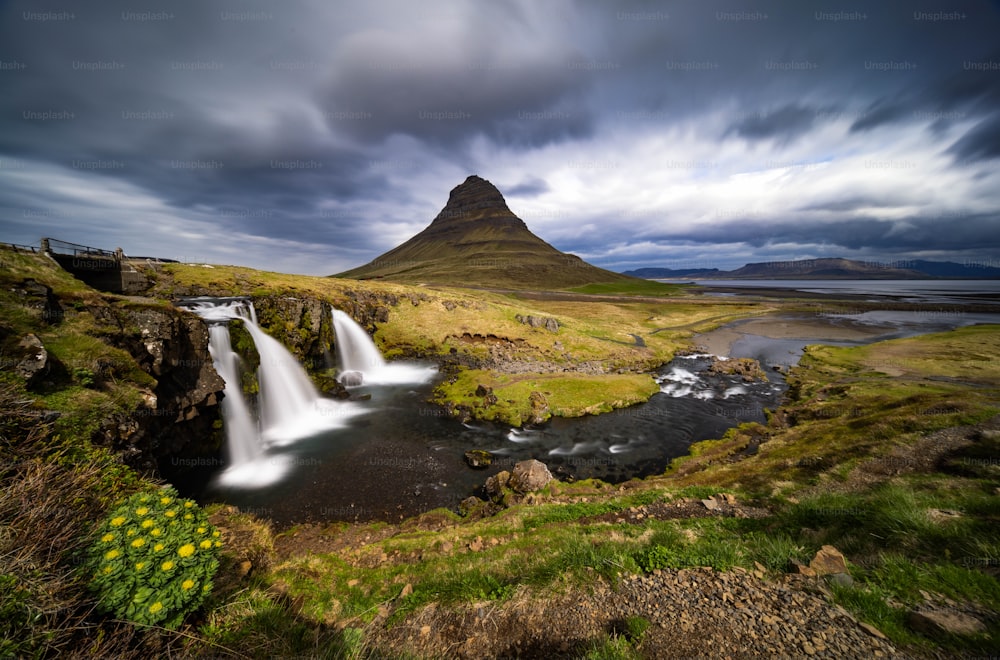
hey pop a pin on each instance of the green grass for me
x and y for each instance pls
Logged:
(611, 647)
(566, 394)
(631, 288)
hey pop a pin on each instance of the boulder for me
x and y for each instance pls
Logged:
(466, 507)
(489, 398)
(529, 476)
(828, 561)
(352, 378)
(40, 297)
(747, 368)
(539, 408)
(710, 504)
(478, 458)
(841, 580)
(496, 484)
(546, 322)
(36, 363)
(798, 568)
(942, 622)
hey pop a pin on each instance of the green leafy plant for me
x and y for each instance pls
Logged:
(83, 376)
(154, 558)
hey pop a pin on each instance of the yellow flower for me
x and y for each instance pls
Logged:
(158, 547)
(188, 516)
(111, 554)
(202, 530)
(130, 532)
(139, 542)
(155, 607)
(147, 523)
(156, 532)
(206, 544)
(143, 510)
(170, 514)
(118, 521)
(187, 584)
(167, 565)
(140, 565)
(186, 550)
(107, 569)
(108, 538)
(165, 500)
(215, 534)
(188, 504)
(218, 545)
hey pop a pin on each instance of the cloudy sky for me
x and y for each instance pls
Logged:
(310, 136)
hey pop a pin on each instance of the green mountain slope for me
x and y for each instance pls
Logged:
(477, 241)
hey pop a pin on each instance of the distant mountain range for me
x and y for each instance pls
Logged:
(830, 269)
(477, 241)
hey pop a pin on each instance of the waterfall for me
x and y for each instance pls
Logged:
(242, 438)
(361, 362)
(356, 349)
(290, 407)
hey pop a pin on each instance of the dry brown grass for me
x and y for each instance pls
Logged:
(48, 506)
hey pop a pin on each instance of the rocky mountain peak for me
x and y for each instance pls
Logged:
(474, 199)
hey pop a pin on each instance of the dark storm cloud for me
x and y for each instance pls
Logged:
(529, 188)
(847, 233)
(784, 124)
(347, 125)
(980, 143)
(881, 113)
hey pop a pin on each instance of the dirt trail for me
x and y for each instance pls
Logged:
(692, 613)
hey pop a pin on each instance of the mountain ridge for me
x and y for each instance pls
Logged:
(830, 268)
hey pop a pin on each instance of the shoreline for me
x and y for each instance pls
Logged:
(778, 326)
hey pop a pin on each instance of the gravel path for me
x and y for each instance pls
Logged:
(694, 613)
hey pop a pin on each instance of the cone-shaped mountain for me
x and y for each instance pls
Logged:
(477, 241)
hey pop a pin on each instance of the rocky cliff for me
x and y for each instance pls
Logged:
(180, 412)
(134, 377)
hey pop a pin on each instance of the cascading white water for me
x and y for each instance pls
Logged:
(242, 438)
(356, 350)
(290, 407)
(361, 362)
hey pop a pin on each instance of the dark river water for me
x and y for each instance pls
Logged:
(400, 456)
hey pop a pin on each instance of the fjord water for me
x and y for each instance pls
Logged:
(911, 291)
